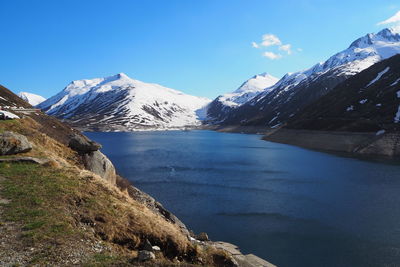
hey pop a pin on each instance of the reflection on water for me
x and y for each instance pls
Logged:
(292, 206)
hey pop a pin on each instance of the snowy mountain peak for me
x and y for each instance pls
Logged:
(257, 83)
(120, 103)
(32, 99)
(387, 35)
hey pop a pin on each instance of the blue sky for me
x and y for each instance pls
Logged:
(202, 47)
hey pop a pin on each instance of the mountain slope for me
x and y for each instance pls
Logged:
(366, 102)
(220, 106)
(121, 103)
(296, 90)
(32, 99)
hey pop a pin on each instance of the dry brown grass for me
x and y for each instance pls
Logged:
(76, 204)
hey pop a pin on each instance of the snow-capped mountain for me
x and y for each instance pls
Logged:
(367, 102)
(32, 99)
(249, 89)
(296, 90)
(120, 103)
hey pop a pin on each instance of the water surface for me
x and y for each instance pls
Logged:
(291, 206)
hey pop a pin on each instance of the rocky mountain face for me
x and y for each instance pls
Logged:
(119, 103)
(297, 90)
(222, 105)
(366, 102)
(32, 99)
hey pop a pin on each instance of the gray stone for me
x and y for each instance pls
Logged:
(202, 237)
(156, 248)
(13, 143)
(98, 163)
(145, 255)
(83, 144)
(147, 246)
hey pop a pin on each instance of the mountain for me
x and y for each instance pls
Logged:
(8, 99)
(31, 98)
(119, 103)
(297, 90)
(366, 102)
(218, 108)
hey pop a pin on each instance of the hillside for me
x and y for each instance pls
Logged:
(296, 90)
(359, 116)
(62, 204)
(366, 102)
(119, 103)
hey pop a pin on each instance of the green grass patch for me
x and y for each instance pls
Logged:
(37, 200)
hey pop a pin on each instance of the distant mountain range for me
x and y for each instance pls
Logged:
(119, 103)
(222, 105)
(275, 105)
(32, 99)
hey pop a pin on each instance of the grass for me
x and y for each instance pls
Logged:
(36, 195)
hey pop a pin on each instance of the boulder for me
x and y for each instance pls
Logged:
(202, 237)
(98, 163)
(83, 145)
(13, 143)
(145, 255)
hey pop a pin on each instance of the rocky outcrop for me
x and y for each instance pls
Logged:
(92, 158)
(241, 260)
(98, 163)
(13, 143)
(155, 206)
(82, 144)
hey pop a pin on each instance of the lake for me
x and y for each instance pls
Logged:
(291, 206)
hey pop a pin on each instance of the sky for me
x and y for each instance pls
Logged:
(201, 47)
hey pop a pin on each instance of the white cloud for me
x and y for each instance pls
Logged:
(300, 49)
(271, 55)
(393, 19)
(255, 45)
(287, 48)
(270, 39)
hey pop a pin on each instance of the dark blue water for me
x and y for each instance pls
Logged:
(291, 206)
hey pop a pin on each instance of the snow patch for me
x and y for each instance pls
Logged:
(397, 116)
(363, 101)
(380, 132)
(350, 108)
(378, 77)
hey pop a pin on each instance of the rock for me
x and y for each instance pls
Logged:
(147, 246)
(26, 159)
(202, 237)
(98, 163)
(145, 255)
(13, 143)
(83, 144)
(156, 248)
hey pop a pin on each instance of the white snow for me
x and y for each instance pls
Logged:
(362, 53)
(248, 90)
(379, 105)
(32, 99)
(397, 116)
(350, 108)
(9, 114)
(396, 82)
(122, 100)
(363, 101)
(398, 94)
(380, 132)
(378, 77)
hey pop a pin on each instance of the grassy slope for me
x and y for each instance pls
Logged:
(63, 214)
